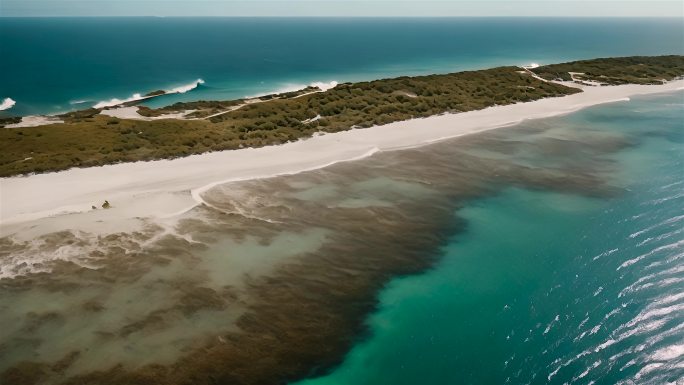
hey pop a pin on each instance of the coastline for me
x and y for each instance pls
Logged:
(514, 183)
(164, 188)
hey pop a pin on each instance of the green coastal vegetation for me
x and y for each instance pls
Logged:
(87, 138)
(616, 71)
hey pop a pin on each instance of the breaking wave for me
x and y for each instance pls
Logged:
(7, 103)
(115, 102)
(136, 97)
(185, 88)
(292, 87)
(325, 86)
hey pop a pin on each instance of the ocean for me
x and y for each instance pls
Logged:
(549, 252)
(59, 64)
(548, 288)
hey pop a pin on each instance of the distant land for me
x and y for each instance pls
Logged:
(126, 132)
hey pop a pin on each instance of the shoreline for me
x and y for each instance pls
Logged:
(166, 188)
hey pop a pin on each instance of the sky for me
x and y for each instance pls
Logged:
(342, 8)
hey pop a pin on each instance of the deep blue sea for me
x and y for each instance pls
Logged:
(60, 64)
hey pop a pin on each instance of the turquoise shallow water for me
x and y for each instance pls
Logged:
(60, 64)
(550, 288)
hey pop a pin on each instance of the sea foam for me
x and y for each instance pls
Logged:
(185, 88)
(115, 102)
(135, 97)
(7, 103)
(292, 87)
(325, 86)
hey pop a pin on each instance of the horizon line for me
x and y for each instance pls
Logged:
(343, 17)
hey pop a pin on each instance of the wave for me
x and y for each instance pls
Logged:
(550, 325)
(7, 103)
(668, 353)
(34, 256)
(137, 97)
(325, 86)
(115, 102)
(671, 246)
(292, 87)
(185, 88)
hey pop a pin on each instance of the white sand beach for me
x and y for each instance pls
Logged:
(164, 188)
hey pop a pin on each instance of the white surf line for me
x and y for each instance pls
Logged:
(115, 102)
(136, 97)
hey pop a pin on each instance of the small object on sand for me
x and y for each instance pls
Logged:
(93, 207)
(106, 205)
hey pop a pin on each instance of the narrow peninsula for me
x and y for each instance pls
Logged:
(128, 132)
